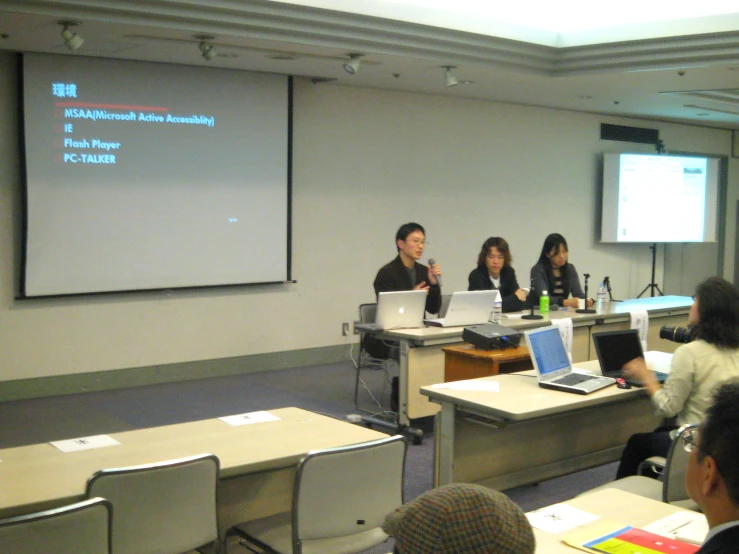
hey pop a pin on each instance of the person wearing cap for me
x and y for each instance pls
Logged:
(460, 519)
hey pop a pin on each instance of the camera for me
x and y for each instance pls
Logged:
(676, 334)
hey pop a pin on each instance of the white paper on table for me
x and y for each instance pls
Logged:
(640, 322)
(514, 315)
(85, 443)
(686, 526)
(558, 518)
(249, 418)
(487, 386)
(565, 331)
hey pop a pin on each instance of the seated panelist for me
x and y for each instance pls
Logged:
(554, 274)
(494, 272)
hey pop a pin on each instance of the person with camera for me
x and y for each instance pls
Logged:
(698, 367)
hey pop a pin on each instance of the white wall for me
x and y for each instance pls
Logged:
(365, 161)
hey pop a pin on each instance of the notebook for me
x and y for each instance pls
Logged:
(400, 310)
(467, 308)
(553, 367)
(615, 348)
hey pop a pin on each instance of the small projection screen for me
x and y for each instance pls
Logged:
(147, 176)
(659, 198)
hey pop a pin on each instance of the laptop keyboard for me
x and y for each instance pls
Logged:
(573, 379)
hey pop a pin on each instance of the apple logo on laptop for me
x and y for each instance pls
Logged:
(401, 310)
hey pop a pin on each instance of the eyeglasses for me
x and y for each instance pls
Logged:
(690, 439)
(418, 241)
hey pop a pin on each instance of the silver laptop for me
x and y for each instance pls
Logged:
(553, 367)
(467, 308)
(400, 310)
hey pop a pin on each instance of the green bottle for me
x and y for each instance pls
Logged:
(544, 302)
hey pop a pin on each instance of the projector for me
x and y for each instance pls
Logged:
(491, 336)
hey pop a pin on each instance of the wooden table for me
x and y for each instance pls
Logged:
(257, 473)
(612, 505)
(525, 434)
(464, 361)
(422, 358)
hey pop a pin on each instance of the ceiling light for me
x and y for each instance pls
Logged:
(352, 66)
(206, 47)
(71, 40)
(449, 79)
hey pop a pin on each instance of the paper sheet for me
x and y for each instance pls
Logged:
(249, 418)
(640, 322)
(558, 518)
(85, 443)
(686, 526)
(565, 330)
(487, 386)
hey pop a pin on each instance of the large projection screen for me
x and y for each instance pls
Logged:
(153, 176)
(659, 198)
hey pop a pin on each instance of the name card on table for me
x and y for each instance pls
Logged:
(85, 443)
(247, 419)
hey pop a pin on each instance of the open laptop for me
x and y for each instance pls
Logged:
(553, 367)
(467, 308)
(615, 348)
(400, 310)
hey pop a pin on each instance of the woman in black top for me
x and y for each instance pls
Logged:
(554, 274)
(494, 271)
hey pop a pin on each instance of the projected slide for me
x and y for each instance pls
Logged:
(148, 176)
(659, 198)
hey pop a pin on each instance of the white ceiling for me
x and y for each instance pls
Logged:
(689, 73)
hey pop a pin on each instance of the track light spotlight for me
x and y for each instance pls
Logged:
(71, 40)
(207, 49)
(352, 66)
(449, 79)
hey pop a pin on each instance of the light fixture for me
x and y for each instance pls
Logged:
(71, 40)
(206, 47)
(449, 79)
(352, 66)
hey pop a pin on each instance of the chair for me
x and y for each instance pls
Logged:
(80, 528)
(378, 359)
(340, 499)
(161, 508)
(670, 487)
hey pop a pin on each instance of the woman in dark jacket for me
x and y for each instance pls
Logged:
(554, 274)
(494, 271)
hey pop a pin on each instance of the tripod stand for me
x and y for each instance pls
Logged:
(651, 286)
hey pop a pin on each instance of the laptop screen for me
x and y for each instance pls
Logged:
(615, 348)
(548, 349)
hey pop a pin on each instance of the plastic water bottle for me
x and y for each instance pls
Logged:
(544, 302)
(601, 297)
(497, 309)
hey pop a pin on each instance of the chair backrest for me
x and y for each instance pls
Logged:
(676, 466)
(161, 508)
(367, 313)
(345, 491)
(81, 528)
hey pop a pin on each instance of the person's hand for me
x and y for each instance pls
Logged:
(589, 302)
(569, 302)
(421, 286)
(434, 270)
(636, 369)
(521, 295)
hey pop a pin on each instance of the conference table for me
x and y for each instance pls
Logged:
(257, 462)
(422, 359)
(505, 431)
(612, 505)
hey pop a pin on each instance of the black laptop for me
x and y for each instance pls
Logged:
(615, 348)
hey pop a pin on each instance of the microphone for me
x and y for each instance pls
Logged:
(438, 277)
(530, 303)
